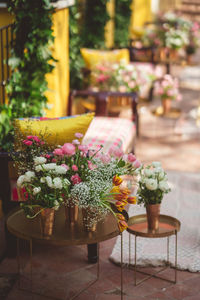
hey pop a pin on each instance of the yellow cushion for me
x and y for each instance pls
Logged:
(55, 131)
(94, 57)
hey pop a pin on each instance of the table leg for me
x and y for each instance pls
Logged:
(176, 246)
(121, 266)
(167, 250)
(129, 261)
(135, 258)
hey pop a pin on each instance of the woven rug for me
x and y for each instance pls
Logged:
(183, 203)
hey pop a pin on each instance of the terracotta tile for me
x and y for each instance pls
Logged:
(179, 291)
(158, 296)
(141, 290)
(196, 297)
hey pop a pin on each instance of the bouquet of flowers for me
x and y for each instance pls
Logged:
(120, 77)
(152, 184)
(88, 178)
(168, 88)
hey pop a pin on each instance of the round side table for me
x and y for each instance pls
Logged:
(137, 226)
(63, 235)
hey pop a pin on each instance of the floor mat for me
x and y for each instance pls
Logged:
(6, 283)
(183, 203)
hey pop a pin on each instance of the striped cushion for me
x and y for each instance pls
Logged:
(108, 131)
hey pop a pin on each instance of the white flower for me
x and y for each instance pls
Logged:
(66, 181)
(60, 170)
(57, 182)
(36, 190)
(148, 172)
(151, 184)
(50, 166)
(29, 175)
(56, 205)
(156, 164)
(42, 180)
(38, 168)
(20, 180)
(49, 181)
(39, 160)
(163, 185)
(161, 175)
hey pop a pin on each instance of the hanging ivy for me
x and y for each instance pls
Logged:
(122, 22)
(30, 61)
(95, 18)
(31, 57)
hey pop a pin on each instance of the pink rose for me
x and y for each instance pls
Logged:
(76, 179)
(74, 168)
(65, 166)
(115, 151)
(27, 143)
(68, 149)
(78, 135)
(48, 156)
(137, 164)
(58, 151)
(54, 160)
(131, 157)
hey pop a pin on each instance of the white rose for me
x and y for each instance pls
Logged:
(42, 180)
(20, 180)
(161, 175)
(57, 182)
(29, 175)
(156, 164)
(66, 181)
(38, 168)
(39, 160)
(148, 173)
(50, 166)
(151, 184)
(60, 170)
(56, 205)
(163, 185)
(49, 181)
(36, 190)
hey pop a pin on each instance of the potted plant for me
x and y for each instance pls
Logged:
(153, 184)
(168, 89)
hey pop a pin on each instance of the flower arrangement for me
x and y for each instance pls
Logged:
(152, 184)
(168, 88)
(121, 77)
(74, 173)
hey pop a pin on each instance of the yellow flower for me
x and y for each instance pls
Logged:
(25, 50)
(117, 180)
(115, 190)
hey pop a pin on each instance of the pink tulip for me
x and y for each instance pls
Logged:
(78, 135)
(68, 149)
(131, 157)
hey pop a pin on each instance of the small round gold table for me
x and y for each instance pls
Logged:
(63, 235)
(137, 225)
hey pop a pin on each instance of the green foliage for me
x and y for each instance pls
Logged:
(31, 58)
(122, 22)
(87, 23)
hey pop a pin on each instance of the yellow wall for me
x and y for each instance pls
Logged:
(110, 27)
(141, 13)
(58, 80)
(5, 17)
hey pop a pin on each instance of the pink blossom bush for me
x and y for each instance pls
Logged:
(168, 88)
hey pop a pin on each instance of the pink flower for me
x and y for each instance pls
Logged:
(105, 158)
(78, 135)
(83, 148)
(68, 149)
(54, 160)
(75, 142)
(47, 156)
(131, 157)
(91, 166)
(122, 89)
(131, 84)
(115, 151)
(27, 143)
(179, 97)
(137, 164)
(76, 179)
(58, 151)
(170, 93)
(65, 166)
(74, 168)
(102, 78)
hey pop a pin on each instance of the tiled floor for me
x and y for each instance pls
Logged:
(61, 271)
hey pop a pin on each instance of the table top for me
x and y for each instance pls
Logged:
(63, 233)
(168, 225)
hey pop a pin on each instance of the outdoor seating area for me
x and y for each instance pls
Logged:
(99, 149)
